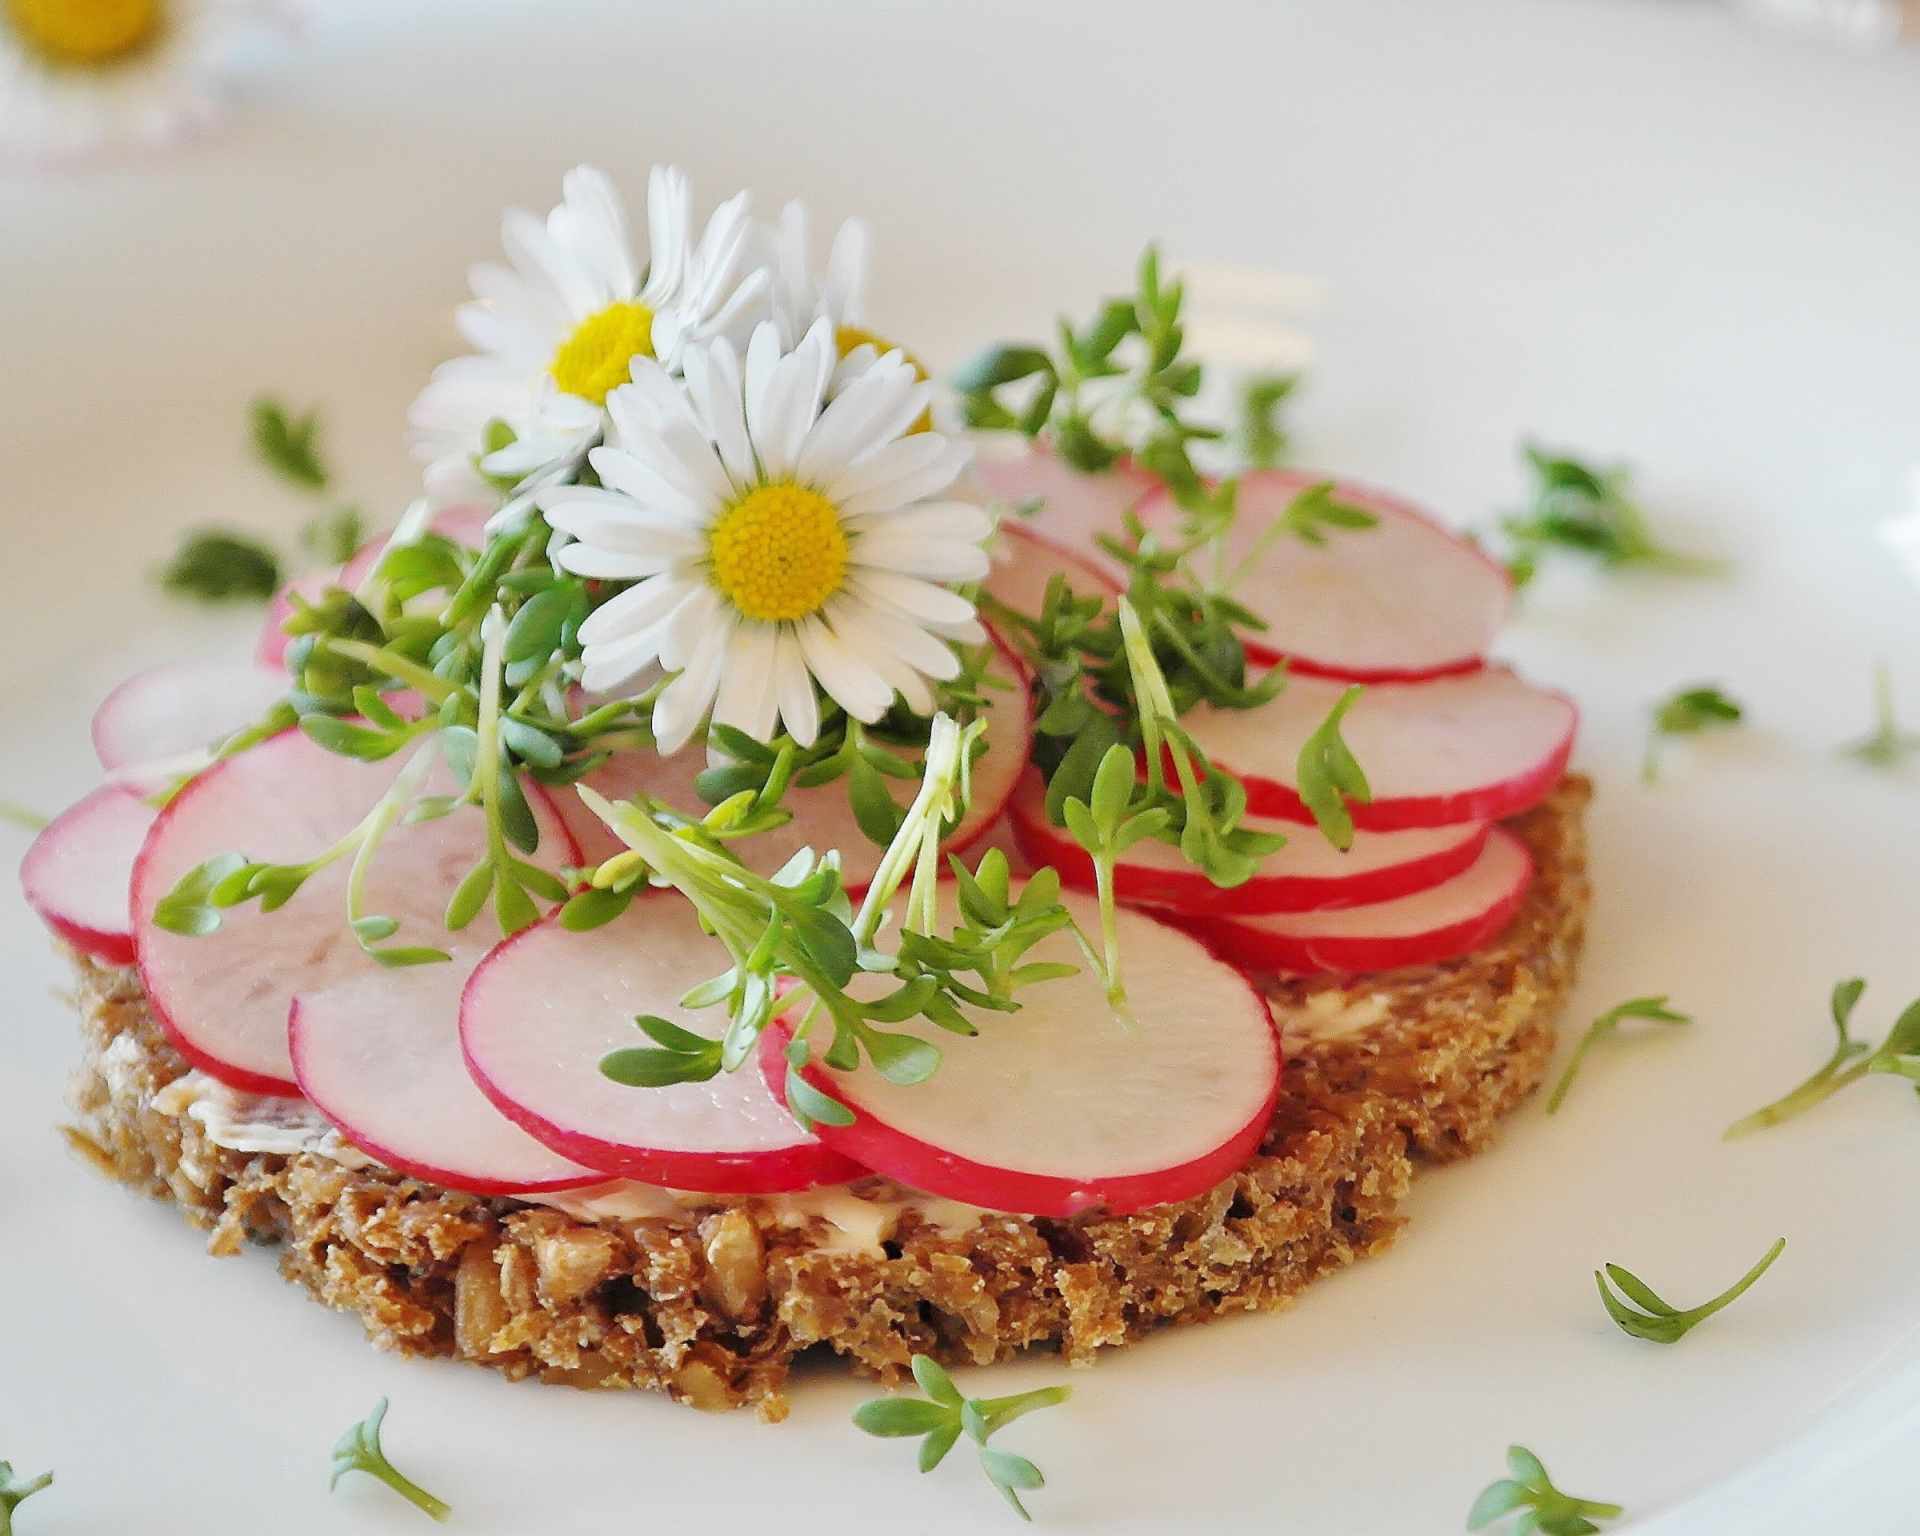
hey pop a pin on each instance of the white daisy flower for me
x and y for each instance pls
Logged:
(773, 539)
(558, 329)
(836, 295)
(82, 75)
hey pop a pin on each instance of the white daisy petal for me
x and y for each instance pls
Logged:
(846, 677)
(847, 265)
(890, 463)
(618, 664)
(919, 600)
(746, 700)
(636, 610)
(934, 477)
(684, 702)
(694, 619)
(714, 382)
(875, 632)
(627, 474)
(966, 521)
(942, 560)
(596, 221)
(848, 430)
(668, 218)
(793, 689)
(600, 563)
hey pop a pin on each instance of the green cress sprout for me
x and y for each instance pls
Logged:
(943, 1415)
(1897, 1055)
(358, 1450)
(1589, 511)
(1654, 1009)
(1888, 746)
(217, 565)
(1263, 441)
(1687, 712)
(1125, 364)
(23, 817)
(797, 926)
(12, 1493)
(1547, 1509)
(1638, 1310)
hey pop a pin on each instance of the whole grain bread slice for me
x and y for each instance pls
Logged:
(712, 1304)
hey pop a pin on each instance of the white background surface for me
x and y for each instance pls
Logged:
(1648, 230)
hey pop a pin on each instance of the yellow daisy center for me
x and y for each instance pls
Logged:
(850, 336)
(596, 359)
(85, 31)
(778, 552)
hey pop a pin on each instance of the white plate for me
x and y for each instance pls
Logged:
(1641, 230)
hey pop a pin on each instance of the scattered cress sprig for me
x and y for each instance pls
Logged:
(1898, 1055)
(1687, 712)
(13, 1493)
(359, 1450)
(1653, 1009)
(1547, 1510)
(1887, 746)
(940, 1418)
(1579, 509)
(1638, 1309)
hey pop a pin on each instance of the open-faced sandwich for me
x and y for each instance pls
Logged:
(743, 868)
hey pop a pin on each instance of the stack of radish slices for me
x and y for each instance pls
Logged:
(482, 1072)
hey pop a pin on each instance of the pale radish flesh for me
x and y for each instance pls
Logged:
(1025, 561)
(223, 996)
(464, 525)
(160, 723)
(1064, 1107)
(1478, 747)
(1400, 600)
(1428, 928)
(546, 1006)
(77, 873)
(379, 1056)
(1068, 507)
(1308, 874)
(822, 815)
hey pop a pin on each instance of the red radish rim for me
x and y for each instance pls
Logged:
(803, 1165)
(236, 1077)
(118, 764)
(927, 1167)
(1259, 949)
(1489, 802)
(1266, 655)
(246, 1080)
(1086, 562)
(109, 946)
(412, 1167)
(1191, 893)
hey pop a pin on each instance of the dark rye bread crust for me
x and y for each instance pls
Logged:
(712, 1307)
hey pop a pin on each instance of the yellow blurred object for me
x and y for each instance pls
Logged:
(85, 31)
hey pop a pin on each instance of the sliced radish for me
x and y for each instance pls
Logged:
(1063, 1107)
(379, 1056)
(78, 870)
(1478, 747)
(223, 996)
(822, 816)
(1309, 874)
(1066, 506)
(1403, 599)
(162, 721)
(543, 1009)
(464, 525)
(1429, 927)
(1024, 561)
